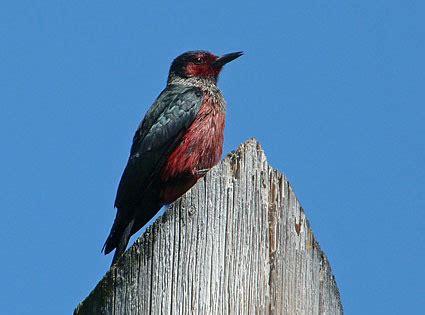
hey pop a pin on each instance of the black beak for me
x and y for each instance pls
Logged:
(220, 62)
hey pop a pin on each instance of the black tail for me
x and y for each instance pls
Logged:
(122, 244)
(119, 236)
(127, 222)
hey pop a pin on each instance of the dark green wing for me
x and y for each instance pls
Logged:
(157, 136)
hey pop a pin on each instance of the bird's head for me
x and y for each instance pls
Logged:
(201, 64)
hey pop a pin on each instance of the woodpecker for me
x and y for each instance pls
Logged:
(178, 141)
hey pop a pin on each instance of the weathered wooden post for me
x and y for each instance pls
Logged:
(237, 243)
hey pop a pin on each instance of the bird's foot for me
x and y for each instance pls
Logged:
(203, 171)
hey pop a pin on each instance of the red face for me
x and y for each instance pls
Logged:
(200, 65)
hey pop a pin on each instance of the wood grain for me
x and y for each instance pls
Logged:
(237, 243)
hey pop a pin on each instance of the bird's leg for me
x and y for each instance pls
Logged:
(203, 171)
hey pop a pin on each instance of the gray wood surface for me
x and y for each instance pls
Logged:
(237, 243)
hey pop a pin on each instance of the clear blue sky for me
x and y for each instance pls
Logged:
(334, 91)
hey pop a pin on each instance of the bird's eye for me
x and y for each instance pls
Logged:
(199, 60)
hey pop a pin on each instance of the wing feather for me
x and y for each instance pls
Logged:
(156, 137)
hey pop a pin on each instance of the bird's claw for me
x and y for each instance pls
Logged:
(203, 171)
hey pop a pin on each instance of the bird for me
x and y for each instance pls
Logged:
(178, 141)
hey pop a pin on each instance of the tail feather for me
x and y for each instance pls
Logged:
(122, 244)
(127, 222)
(119, 236)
